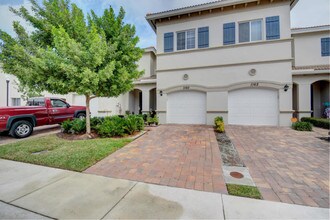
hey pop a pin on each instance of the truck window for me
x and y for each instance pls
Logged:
(36, 102)
(56, 103)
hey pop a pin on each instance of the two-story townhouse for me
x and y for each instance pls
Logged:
(311, 70)
(231, 58)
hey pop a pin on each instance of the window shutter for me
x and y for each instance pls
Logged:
(168, 42)
(273, 28)
(229, 33)
(325, 46)
(203, 37)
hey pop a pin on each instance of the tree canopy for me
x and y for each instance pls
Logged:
(91, 55)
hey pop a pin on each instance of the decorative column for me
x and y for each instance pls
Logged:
(304, 100)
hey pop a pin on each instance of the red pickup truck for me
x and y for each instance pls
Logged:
(19, 121)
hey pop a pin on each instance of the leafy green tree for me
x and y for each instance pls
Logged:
(94, 56)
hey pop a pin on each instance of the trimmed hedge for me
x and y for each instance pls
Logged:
(302, 126)
(106, 127)
(318, 122)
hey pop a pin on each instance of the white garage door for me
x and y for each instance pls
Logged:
(253, 107)
(186, 107)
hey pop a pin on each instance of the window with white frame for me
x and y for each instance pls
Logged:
(16, 101)
(186, 40)
(250, 31)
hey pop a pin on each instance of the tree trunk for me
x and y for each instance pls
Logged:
(88, 117)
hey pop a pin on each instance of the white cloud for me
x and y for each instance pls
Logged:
(305, 13)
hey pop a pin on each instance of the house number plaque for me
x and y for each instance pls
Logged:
(254, 84)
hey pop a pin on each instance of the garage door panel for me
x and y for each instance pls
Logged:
(253, 107)
(187, 107)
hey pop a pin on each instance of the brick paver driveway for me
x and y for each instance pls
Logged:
(286, 165)
(185, 156)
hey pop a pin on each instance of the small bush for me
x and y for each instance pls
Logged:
(111, 126)
(219, 124)
(131, 124)
(318, 122)
(140, 123)
(95, 121)
(218, 118)
(302, 126)
(78, 126)
(66, 126)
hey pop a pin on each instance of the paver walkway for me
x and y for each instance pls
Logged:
(185, 156)
(286, 165)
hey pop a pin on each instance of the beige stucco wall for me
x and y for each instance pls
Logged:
(215, 23)
(307, 49)
(219, 69)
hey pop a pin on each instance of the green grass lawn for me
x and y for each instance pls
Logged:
(61, 153)
(244, 191)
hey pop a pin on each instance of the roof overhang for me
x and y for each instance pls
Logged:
(314, 29)
(151, 18)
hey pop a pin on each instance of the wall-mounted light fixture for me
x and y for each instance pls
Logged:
(161, 92)
(286, 87)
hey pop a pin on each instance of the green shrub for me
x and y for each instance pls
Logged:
(302, 126)
(318, 122)
(66, 126)
(219, 124)
(218, 118)
(78, 126)
(111, 126)
(140, 122)
(131, 124)
(95, 121)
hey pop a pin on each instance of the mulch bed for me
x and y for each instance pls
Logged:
(229, 154)
(74, 137)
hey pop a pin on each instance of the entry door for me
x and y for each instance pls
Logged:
(187, 107)
(253, 107)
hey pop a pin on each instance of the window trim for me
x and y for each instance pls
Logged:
(250, 32)
(186, 39)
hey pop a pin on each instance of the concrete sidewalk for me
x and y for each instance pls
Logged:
(36, 192)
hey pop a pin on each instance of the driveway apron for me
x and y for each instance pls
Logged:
(185, 156)
(286, 165)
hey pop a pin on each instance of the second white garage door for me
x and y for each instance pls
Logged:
(253, 107)
(188, 107)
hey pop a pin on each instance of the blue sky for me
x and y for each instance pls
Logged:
(305, 13)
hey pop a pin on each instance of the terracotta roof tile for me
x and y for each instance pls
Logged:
(191, 6)
(316, 67)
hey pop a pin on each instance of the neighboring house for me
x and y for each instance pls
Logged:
(9, 90)
(311, 70)
(233, 58)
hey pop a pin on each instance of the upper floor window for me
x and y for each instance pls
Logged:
(186, 39)
(325, 46)
(250, 31)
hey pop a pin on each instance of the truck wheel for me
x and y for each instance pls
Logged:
(81, 116)
(21, 129)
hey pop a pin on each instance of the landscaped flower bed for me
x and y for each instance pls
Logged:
(113, 126)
